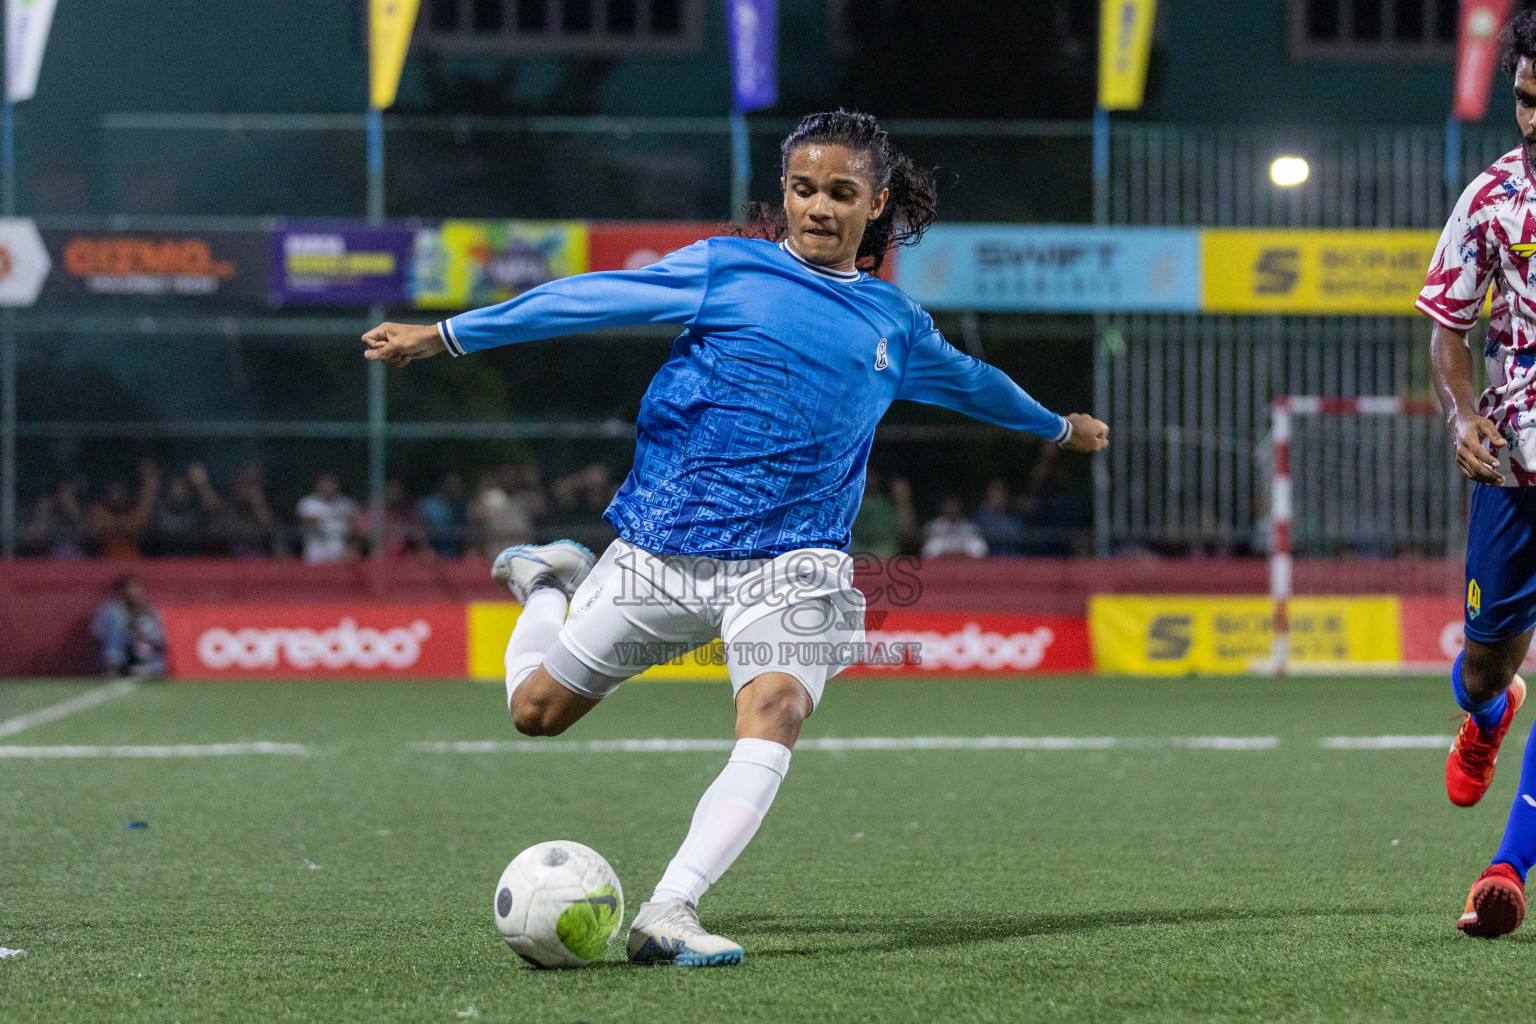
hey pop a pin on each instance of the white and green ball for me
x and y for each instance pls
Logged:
(559, 904)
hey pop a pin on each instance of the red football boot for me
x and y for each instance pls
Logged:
(1496, 904)
(1469, 767)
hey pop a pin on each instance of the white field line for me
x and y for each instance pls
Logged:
(178, 750)
(652, 746)
(1387, 742)
(54, 712)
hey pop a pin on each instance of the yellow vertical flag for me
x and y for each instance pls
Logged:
(1125, 38)
(390, 23)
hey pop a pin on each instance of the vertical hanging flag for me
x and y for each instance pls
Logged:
(1477, 48)
(26, 34)
(754, 29)
(390, 23)
(1125, 38)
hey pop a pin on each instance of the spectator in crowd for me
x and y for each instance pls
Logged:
(58, 528)
(325, 521)
(877, 528)
(997, 523)
(579, 501)
(1056, 521)
(404, 531)
(443, 513)
(131, 634)
(186, 515)
(119, 521)
(906, 515)
(951, 533)
(505, 508)
(247, 527)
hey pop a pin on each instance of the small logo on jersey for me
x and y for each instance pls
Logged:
(880, 361)
(1474, 600)
(1523, 250)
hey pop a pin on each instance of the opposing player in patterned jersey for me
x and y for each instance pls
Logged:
(1491, 239)
(749, 468)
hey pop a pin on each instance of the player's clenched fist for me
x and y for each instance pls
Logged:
(1088, 434)
(397, 344)
(1473, 435)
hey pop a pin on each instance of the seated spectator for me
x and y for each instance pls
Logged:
(951, 533)
(130, 631)
(404, 532)
(877, 528)
(579, 501)
(503, 511)
(57, 528)
(443, 513)
(999, 527)
(185, 515)
(1056, 520)
(906, 515)
(325, 522)
(119, 521)
(247, 528)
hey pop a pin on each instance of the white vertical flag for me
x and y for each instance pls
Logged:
(26, 33)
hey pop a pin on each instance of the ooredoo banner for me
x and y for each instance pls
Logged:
(293, 641)
(620, 245)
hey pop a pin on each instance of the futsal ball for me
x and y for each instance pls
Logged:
(559, 904)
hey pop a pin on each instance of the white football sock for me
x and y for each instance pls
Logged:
(535, 633)
(726, 819)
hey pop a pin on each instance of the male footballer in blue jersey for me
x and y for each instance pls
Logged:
(749, 469)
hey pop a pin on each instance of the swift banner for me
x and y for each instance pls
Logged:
(340, 264)
(469, 263)
(1477, 49)
(1125, 39)
(1054, 268)
(1314, 272)
(390, 23)
(26, 37)
(1158, 635)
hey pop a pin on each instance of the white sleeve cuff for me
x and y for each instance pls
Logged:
(1066, 432)
(445, 331)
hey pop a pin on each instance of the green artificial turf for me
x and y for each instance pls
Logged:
(1145, 883)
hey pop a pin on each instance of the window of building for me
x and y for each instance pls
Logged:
(562, 26)
(1381, 29)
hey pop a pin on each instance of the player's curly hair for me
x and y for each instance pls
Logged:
(1517, 40)
(914, 202)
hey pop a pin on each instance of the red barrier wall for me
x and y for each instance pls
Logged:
(46, 607)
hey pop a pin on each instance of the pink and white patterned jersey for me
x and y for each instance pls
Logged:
(1490, 239)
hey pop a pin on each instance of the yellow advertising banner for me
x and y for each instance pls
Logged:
(1125, 39)
(390, 23)
(469, 263)
(1173, 635)
(1314, 272)
(490, 627)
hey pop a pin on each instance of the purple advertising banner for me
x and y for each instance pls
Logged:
(335, 264)
(754, 27)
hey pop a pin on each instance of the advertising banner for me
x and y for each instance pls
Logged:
(1315, 272)
(1125, 41)
(1477, 50)
(1172, 635)
(294, 641)
(621, 245)
(754, 32)
(23, 262)
(1054, 268)
(464, 264)
(340, 264)
(158, 264)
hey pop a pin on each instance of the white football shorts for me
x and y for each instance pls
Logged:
(798, 613)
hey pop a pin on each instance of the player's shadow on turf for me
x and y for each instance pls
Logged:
(886, 935)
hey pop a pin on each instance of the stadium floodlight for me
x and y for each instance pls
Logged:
(1289, 171)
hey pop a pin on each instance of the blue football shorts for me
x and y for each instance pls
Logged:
(1501, 563)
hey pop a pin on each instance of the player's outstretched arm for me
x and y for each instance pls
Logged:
(1451, 365)
(394, 345)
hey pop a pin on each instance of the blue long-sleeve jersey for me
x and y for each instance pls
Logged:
(752, 439)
